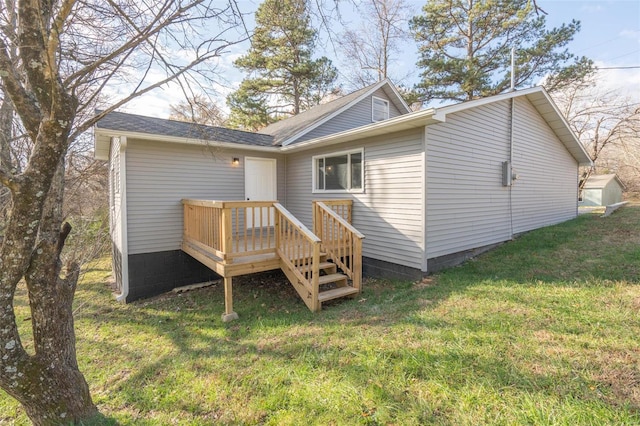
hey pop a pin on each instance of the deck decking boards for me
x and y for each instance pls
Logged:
(218, 235)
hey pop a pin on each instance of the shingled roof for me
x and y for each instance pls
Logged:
(284, 129)
(289, 129)
(120, 121)
(600, 181)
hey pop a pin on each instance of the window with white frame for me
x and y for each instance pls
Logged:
(379, 109)
(338, 172)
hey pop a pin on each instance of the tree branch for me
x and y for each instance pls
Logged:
(93, 120)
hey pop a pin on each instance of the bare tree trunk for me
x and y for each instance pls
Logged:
(48, 384)
(51, 299)
(51, 52)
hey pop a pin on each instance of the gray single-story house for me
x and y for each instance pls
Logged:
(426, 189)
(601, 190)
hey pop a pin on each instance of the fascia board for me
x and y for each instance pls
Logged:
(402, 122)
(180, 140)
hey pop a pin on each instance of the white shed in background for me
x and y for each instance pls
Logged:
(601, 190)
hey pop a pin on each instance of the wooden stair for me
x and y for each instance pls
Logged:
(333, 284)
(336, 293)
(321, 265)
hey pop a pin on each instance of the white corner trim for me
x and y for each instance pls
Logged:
(122, 297)
(423, 203)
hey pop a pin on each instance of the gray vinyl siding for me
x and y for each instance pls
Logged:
(356, 116)
(160, 175)
(390, 210)
(467, 206)
(546, 191)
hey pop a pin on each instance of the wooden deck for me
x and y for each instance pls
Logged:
(243, 237)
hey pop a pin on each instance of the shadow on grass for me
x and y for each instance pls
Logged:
(589, 250)
(275, 327)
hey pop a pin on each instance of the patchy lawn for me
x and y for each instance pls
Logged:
(543, 330)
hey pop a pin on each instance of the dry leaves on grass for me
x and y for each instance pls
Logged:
(424, 283)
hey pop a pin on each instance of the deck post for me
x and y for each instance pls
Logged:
(313, 212)
(227, 236)
(229, 314)
(357, 263)
(315, 276)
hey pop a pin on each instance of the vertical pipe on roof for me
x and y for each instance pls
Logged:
(513, 69)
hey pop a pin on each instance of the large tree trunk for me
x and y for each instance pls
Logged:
(51, 299)
(48, 384)
(51, 52)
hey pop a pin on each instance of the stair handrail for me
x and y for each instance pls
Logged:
(353, 251)
(299, 250)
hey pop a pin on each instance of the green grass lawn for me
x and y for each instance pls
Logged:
(543, 330)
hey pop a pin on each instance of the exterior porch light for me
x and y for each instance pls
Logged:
(235, 161)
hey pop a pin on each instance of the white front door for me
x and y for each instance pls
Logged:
(260, 184)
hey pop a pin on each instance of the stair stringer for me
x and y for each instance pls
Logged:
(303, 291)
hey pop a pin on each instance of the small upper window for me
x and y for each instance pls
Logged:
(380, 109)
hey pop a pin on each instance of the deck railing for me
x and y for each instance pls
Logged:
(341, 207)
(229, 229)
(340, 240)
(299, 251)
(239, 237)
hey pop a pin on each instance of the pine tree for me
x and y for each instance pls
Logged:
(465, 48)
(284, 80)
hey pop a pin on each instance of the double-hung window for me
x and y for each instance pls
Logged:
(379, 109)
(339, 172)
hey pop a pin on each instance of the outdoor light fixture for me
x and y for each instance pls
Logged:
(235, 161)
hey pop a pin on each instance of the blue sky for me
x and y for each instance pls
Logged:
(610, 29)
(610, 36)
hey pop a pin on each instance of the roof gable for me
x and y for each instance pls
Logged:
(545, 106)
(600, 181)
(536, 95)
(289, 130)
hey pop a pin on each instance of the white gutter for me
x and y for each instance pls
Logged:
(182, 140)
(124, 249)
(402, 122)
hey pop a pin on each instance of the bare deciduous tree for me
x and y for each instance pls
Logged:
(198, 109)
(56, 59)
(606, 122)
(370, 50)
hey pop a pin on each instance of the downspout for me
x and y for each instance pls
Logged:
(425, 219)
(511, 132)
(510, 171)
(122, 297)
(286, 182)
